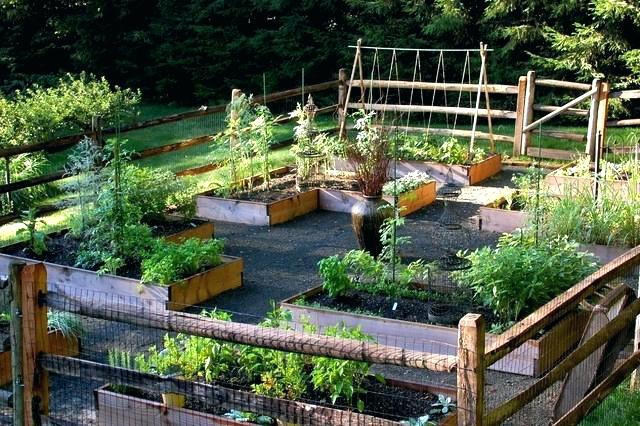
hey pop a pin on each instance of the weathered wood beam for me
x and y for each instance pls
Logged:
(563, 84)
(569, 111)
(437, 109)
(421, 85)
(254, 335)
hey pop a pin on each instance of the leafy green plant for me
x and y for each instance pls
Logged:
(409, 182)
(340, 378)
(442, 150)
(246, 416)
(170, 262)
(418, 421)
(335, 280)
(66, 323)
(518, 276)
(443, 406)
(120, 359)
(35, 238)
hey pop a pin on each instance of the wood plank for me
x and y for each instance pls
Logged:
(35, 341)
(227, 210)
(561, 109)
(254, 335)
(288, 209)
(38, 180)
(163, 149)
(425, 85)
(625, 94)
(520, 106)
(624, 122)
(547, 82)
(579, 112)
(500, 220)
(203, 286)
(114, 409)
(202, 231)
(561, 135)
(557, 154)
(600, 392)
(483, 170)
(560, 305)
(437, 109)
(580, 377)
(241, 400)
(560, 340)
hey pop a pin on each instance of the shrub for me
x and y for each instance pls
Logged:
(411, 181)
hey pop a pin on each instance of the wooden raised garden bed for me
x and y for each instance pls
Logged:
(533, 358)
(286, 209)
(58, 345)
(461, 174)
(74, 282)
(116, 409)
(201, 229)
(342, 201)
(495, 219)
(561, 185)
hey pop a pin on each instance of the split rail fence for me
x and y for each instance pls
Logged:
(97, 133)
(601, 310)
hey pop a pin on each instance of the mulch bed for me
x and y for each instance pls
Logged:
(405, 309)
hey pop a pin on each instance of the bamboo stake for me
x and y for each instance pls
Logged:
(475, 116)
(635, 376)
(492, 142)
(362, 88)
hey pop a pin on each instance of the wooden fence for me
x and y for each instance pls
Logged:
(475, 351)
(62, 143)
(526, 125)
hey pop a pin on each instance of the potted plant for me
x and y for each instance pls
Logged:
(368, 158)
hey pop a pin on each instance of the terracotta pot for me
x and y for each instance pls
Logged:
(367, 218)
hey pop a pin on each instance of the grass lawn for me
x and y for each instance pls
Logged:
(621, 408)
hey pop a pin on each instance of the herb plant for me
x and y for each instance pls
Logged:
(35, 238)
(519, 276)
(409, 182)
(434, 148)
(170, 262)
(66, 323)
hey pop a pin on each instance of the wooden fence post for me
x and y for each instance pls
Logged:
(635, 376)
(603, 114)
(593, 119)
(15, 281)
(520, 103)
(35, 341)
(342, 93)
(471, 370)
(530, 95)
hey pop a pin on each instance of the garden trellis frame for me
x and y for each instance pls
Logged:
(367, 85)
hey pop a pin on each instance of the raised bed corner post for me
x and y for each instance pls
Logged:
(471, 370)
(520, 106)
(29, 284)
(596, 87)
(527, 118)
